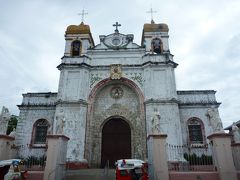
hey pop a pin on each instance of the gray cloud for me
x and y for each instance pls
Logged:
(204, 37)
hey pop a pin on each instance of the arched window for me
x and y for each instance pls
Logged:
(196, 131)
(40, 129)
(157, 46)
(76, 48)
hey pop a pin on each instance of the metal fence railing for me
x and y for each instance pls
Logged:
(32, 159)
(33, 163)
(190, 157)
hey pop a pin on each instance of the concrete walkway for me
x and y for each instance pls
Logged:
(91, 174)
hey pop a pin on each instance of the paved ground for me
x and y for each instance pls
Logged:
(90, 174)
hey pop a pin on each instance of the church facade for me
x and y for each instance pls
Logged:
(112, 95)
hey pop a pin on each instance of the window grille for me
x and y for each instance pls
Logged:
(41, 131)
(195, 134)
(195, 130)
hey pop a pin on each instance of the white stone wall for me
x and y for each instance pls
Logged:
(75, 117)
(195, 104)
(74, 84)
(124, 56)
(207, 96)
(39, 98)
(169, 120)
(34, 106)
(159, 83)
(27, 118)
(188, 112)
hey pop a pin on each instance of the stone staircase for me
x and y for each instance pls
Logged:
(91, 174)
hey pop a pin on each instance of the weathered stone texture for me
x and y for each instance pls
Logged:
(35, 106)
(84, 95)
(75, 117)
(105, 107)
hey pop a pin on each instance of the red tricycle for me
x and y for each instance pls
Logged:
(131, 169)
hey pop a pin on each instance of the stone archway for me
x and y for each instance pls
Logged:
(115, 98)
(116, 141)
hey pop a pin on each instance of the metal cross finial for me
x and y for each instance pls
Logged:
(116, 30)
(151, 11)
(82, 14)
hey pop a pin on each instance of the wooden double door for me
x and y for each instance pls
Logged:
(116, 141)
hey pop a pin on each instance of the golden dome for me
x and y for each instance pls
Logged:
(80, 29)
(155, 27)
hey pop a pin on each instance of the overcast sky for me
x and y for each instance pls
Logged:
(204, 38)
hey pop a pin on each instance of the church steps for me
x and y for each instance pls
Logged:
(90, 174)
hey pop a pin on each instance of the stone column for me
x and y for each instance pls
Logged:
(56, 157)
(6, 144)
(222, 154)
(157, 157)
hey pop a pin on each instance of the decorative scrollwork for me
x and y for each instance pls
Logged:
(137, 77)
(93, 79)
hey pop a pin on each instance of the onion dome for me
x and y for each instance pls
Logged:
(78, 29)
(155, 27)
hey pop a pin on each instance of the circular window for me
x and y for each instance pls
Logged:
(116, 41)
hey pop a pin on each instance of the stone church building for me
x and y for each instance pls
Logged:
(112, 95)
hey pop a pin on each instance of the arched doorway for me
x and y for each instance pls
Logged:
(116, 141)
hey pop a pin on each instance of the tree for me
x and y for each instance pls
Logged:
(12, 123)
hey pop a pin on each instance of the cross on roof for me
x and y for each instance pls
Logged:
(82, 14)
(116, 24)
(151, 11)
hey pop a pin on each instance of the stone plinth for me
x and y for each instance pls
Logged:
(56, 157)
(6, 144)
(236, 155)
(222, 154)
(157, 157)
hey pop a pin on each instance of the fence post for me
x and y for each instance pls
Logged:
(56, 157)
(157, 157)
(6, 150)
(222, 154)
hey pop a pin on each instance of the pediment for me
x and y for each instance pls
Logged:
(116, 41)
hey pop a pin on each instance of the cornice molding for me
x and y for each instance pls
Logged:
(163, 101)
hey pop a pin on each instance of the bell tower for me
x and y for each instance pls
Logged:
(155, 38)
(78, 40)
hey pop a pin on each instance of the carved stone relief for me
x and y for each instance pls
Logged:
(60, 122)
(116, 71)
(116, 100)
(137, 77)
(214, 120)
(116, 92)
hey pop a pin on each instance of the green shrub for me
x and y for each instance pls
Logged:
(33, 160)
(193, 159)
